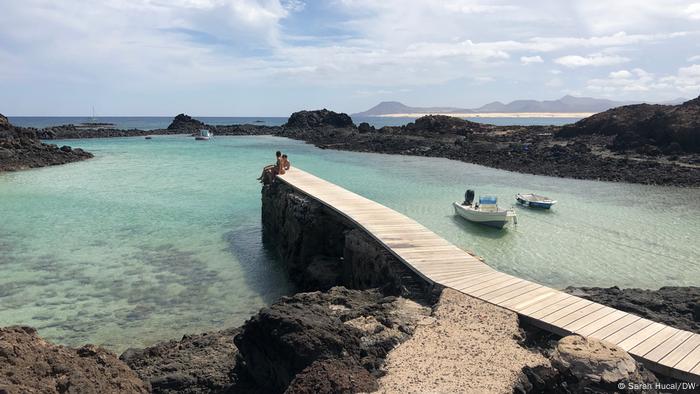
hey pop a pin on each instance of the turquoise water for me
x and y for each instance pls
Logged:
(161, 122)
(152, 239)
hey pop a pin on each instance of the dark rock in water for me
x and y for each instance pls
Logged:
(202, 363)
(319, 118)
(29, 364)
(355, 328)
(330, 376)
(185, 123)
(581, 365)
(364, 127)
(673, 306)
(20, 148)
(644, 124)
(444, 124)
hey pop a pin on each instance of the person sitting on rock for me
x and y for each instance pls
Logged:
(286, 165)
(269, 171)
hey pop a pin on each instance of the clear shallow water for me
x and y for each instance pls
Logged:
(161, 122)
(152, 239)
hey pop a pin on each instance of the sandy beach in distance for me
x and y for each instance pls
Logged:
(498, 115)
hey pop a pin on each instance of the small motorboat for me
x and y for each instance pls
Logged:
(534, 200)
(486, 211)
(204, 135)
(148, 137)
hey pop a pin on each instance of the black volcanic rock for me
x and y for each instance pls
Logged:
(444, 125)
(20, 148)
(319, 332)
(636, 126)
(185, 123)
(30, 364)
(201, 363)
(319, 118)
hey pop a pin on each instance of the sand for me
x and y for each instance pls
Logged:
(498, 115)
(469, 346)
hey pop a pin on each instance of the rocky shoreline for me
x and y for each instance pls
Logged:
(635, 144)
(21, 149)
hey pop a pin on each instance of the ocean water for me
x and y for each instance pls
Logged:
(156, 238)
(161, 122)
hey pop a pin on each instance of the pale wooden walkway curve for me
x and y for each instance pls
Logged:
(661, 348)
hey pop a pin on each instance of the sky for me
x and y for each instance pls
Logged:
(273, 57)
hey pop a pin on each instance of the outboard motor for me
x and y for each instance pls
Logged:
(468, 197)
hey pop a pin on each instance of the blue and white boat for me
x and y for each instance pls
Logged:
(534, 200)
(486, 212)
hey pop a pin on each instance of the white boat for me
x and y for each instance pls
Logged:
(534, 200)
(486, 212)
(204, 135)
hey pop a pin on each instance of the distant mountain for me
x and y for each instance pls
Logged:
(395, 107)
(564, 104)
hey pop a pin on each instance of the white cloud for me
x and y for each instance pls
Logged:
(695, 58)
(136, 46)
(686, 80)
(530, 60)
(622, 74)
(595, 60)
(693, 11)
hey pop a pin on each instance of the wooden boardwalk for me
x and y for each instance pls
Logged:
(662, 348)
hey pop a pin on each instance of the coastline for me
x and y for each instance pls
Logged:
(538, 150)
(358, 338)
(515, 115)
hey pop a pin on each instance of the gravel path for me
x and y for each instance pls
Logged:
(469, 346)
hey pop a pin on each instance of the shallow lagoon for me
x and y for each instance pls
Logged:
(152, 239)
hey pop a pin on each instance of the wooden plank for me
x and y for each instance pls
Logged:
(601, 313)
(498, 299)
(459, 282)
(487, 294)
(528, 298)
(668, 346)
(690, 361)
(553, 315)
(544, 311)
(679, 353)
(576, 315)
(654, 341)
(641, 336)
(495, 280)
(592, 327)
(626, 332)
(546, 302)
(615, 326)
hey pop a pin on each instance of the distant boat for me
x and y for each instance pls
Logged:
(534, 200)
(486, 212)
(94, 124)
(204, 135)
(148, 137)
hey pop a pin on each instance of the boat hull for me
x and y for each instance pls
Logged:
(534, 204)
(491, 219)
(201, 138)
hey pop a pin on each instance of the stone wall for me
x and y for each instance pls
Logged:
(322, 249)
